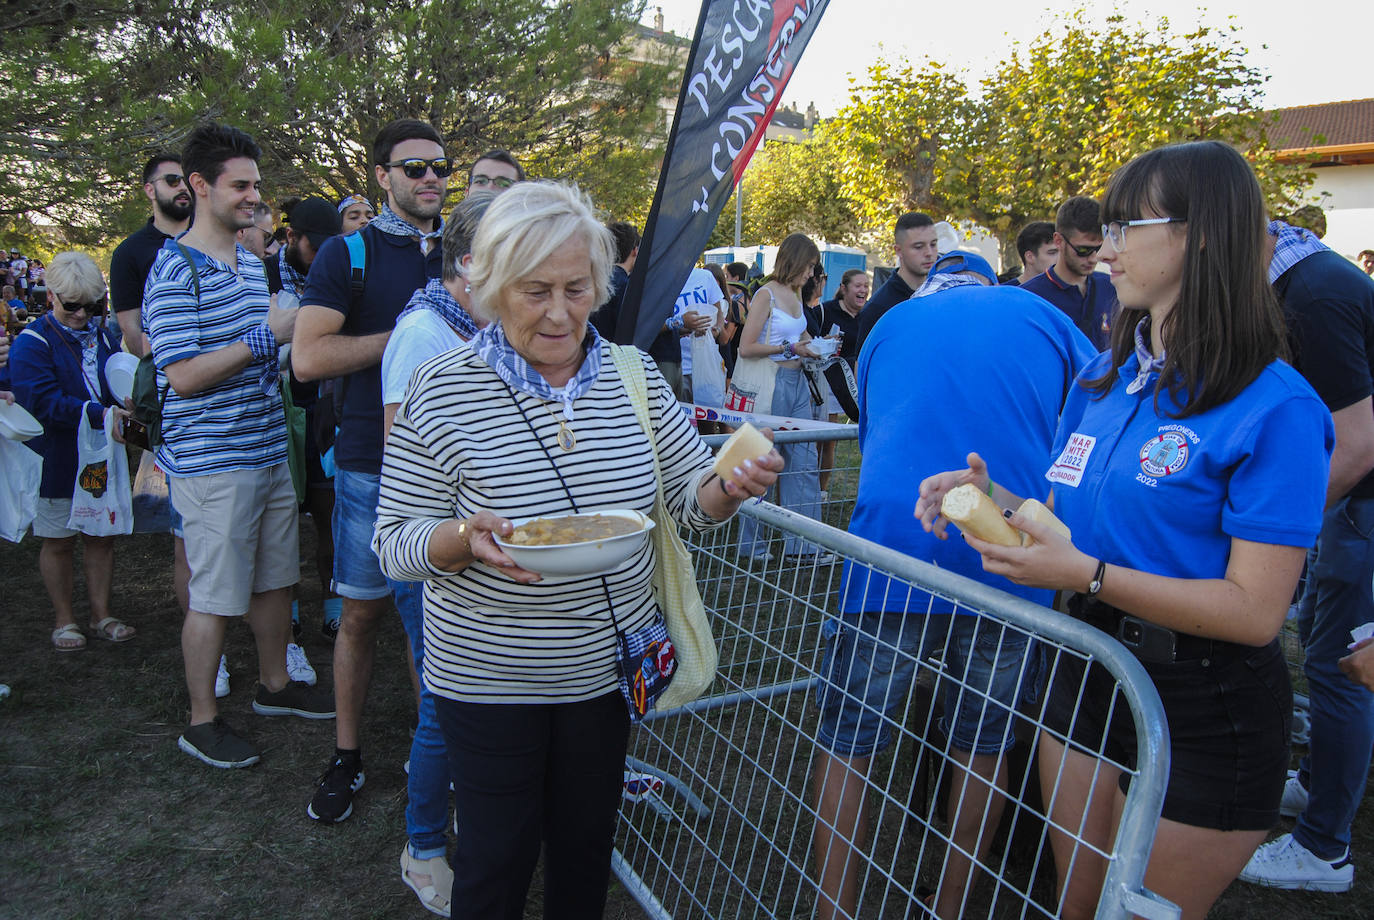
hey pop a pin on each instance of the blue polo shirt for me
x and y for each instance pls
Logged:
(1164, 495)
(970, 368)
(1092, 312)
(396, 269)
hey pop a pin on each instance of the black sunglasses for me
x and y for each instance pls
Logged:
(415, 168)
(173, 180)
(1082, 251)
(90, 309)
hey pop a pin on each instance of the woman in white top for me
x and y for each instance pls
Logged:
(776, 329)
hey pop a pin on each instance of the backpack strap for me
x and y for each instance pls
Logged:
(357, 262)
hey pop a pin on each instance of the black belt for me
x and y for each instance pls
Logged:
(1150, 642)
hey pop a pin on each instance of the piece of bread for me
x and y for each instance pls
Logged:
(747, 443)
(970, 508)
(1036, 511)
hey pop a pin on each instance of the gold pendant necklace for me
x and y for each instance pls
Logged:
(567, 440)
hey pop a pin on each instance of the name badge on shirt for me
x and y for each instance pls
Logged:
(1068, 469)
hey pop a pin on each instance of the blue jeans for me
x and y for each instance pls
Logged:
(1338, 598)
(427, 786)
(871, 661)
(799, 486)
(357, 571)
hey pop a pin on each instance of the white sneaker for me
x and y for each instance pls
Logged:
(1285, 863)
(222, 680)
(1294, 800)
(297, 667)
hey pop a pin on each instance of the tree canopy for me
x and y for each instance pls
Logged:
(1054, 120)
(91, 87)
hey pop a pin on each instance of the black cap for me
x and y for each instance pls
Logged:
(315, 219)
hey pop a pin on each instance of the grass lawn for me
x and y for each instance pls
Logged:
(102, 816)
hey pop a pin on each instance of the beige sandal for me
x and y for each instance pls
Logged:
(434, 897)
(113, 630)
(70, 633)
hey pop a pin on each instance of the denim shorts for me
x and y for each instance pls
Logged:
(871, 661)
(1229, 709)
(357, 573)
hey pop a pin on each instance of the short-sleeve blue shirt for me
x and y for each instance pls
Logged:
(1163, 495)
(395, 270)
(967, 369)
(233, 424)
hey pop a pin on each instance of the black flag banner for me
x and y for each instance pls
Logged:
(742, 56)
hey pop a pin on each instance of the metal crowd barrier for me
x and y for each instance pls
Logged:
(719, 813)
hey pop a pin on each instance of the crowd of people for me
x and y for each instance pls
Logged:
(439, 375)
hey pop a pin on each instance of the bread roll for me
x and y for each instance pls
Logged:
(970, 508)
(747, 443)
(1036, 511)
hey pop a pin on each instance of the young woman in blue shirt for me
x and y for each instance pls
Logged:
(1190, 465)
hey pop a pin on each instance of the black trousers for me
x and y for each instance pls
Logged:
(530, 774)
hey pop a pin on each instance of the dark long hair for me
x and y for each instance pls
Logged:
(1226, 326)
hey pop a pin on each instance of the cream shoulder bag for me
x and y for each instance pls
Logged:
(674, 580)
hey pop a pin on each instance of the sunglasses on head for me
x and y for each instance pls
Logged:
(415, 167)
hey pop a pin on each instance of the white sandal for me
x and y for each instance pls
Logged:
(70, 631)
(441, 877)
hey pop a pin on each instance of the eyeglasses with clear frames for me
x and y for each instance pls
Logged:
(480, 181)
(1115, 232)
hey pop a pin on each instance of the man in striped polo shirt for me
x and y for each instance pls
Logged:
(214, 336)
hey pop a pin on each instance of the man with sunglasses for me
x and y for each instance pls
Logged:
(495, 171)
(170, 197)
(341, 332)
(1072, 283)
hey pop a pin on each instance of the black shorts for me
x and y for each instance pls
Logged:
(1229, 709)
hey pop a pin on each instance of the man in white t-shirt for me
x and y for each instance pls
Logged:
(699, 311)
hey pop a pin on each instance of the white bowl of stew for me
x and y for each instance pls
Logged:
(585, 543)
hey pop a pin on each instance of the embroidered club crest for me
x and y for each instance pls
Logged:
(1164, 454)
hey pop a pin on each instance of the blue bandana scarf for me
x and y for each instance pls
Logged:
(1149, 364)
(943, 281)
(1293, 244)
(388, 222)
(494, 349)
(291, 279)
(434, 296)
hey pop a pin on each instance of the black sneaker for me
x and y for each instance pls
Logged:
(218, 745)
(295, 699)
(333, 801)
(330, 629)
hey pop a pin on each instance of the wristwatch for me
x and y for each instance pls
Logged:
(1095, 585)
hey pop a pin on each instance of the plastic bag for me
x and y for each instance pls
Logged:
(102, 501)
(708, 372)
(18, 488)
(152, 505)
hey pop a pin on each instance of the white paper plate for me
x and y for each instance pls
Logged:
(119, 374)
(592, 557)
(16, 423)
(823, 347)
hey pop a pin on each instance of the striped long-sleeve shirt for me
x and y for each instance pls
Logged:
(461, 444)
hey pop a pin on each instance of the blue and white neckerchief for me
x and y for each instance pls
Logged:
(88, 340)
(491, 344)
(291, 279)
(1293, 244)
(943, 281)
(389, 222)
(1149, 364)
(434, 296)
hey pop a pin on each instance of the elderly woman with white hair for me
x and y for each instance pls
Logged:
(533, 417)
(57, 372)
